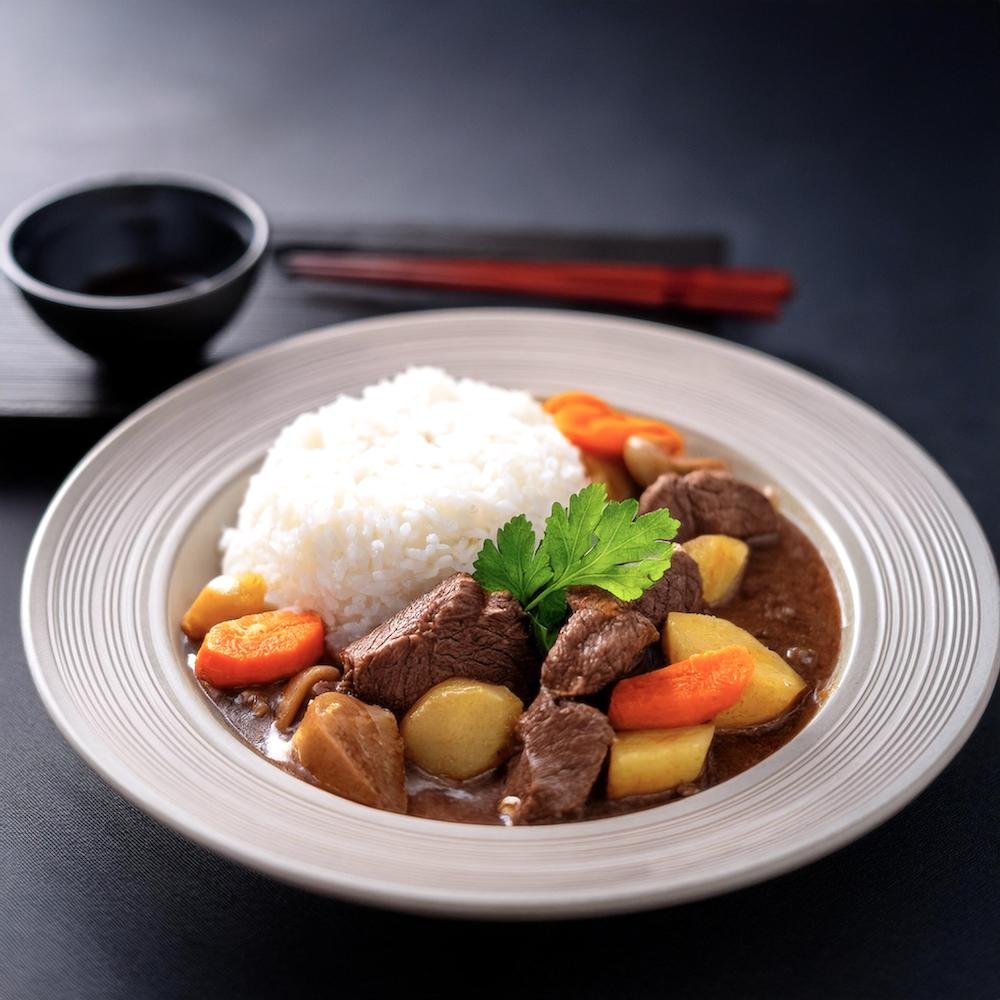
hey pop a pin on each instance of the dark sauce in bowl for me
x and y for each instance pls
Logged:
(139, 281)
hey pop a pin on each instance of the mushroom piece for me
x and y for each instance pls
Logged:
(646, 461)
(296, 690)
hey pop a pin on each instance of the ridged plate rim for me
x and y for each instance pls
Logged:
(112, 533)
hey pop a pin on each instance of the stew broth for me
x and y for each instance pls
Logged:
(787, 600)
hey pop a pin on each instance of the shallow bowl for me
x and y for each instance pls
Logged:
(132, 535)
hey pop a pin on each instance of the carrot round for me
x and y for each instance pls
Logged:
(605, 434)
(561, 399)
(687, 693)
(595, 427)
(574, 419)
(259, 649)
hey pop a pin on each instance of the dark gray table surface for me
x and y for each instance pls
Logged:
(856, 145)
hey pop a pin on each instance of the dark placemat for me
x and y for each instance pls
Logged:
(41, 377)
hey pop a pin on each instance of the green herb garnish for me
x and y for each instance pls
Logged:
(596, 541)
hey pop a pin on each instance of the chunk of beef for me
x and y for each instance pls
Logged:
(579, 598)
(456, 630)
(605, 638)
(671, 491)
(712, 503)
(595, 647)
(679, 589)
(564, 744)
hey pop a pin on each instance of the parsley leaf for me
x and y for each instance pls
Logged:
(593, 541)
(569, 534)
(513, 563)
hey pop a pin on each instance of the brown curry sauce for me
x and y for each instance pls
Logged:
(787, 600)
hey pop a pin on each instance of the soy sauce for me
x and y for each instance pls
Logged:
(138, 281)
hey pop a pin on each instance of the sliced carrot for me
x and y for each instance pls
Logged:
(555, 403)
(259, 649)
(687, 693)
(605, 434)
(594, 426)
(574, 419)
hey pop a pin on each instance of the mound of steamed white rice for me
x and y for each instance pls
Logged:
(365, 504)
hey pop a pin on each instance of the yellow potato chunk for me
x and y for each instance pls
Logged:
(461, 728)
(223, 599)
(774, 686)
(655, 760)
(353, 750)
(721, 560)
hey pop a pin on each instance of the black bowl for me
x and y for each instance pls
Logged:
(135, 267)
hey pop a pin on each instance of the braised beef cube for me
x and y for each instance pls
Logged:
(593, 597)
(595, 647)
(456, 630)
(564, 744)
(671, 491)
(679, 589)
(712, 503)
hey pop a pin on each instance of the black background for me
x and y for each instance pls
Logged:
(856, 145)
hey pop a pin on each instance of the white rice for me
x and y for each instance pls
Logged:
(365, 504)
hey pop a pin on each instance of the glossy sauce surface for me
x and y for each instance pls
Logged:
(787, 600)
(138, 281)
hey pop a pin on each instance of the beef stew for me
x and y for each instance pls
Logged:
(523, 698)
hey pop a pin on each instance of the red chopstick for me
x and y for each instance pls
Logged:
(704, 289)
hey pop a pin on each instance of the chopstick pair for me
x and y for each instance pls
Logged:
(753, 293)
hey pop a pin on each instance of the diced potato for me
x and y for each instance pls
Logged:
(353, 749)
(655, 760)
(721, 560)
(774, 686)
(223, 599)
(461, 728)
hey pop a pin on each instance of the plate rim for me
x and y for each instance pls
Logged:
(450, 902)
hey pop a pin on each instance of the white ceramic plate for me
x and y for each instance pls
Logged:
(130, 537)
